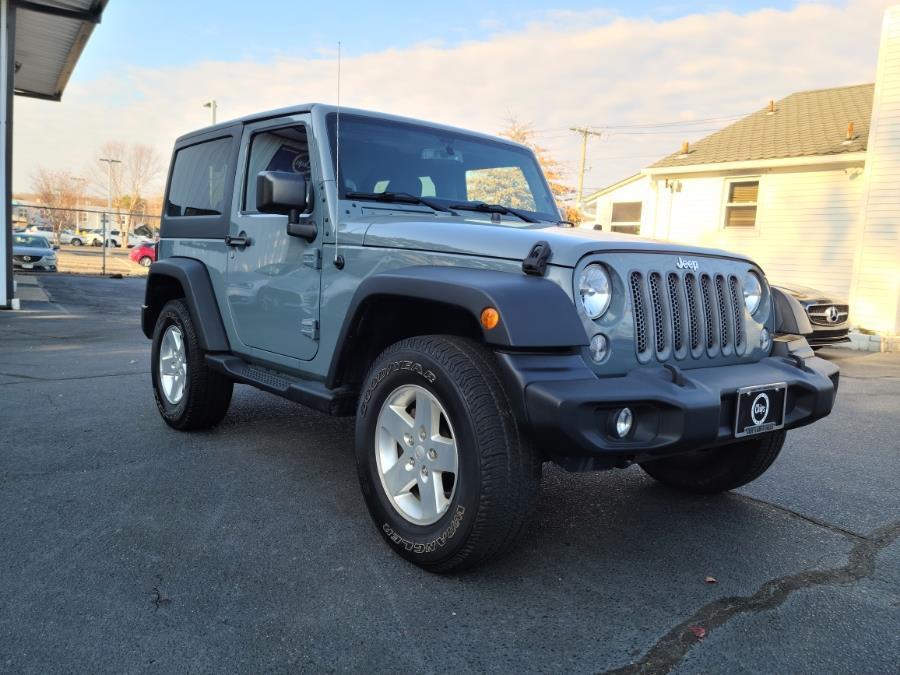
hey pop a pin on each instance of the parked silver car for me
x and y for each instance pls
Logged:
(33, 252)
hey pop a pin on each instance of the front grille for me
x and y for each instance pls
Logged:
(675, 304)
(640, 322)
(659, 326)
(823, 315)
(26, 258)
(693, 309)
(684, 315)
(706, 292)
(737, 312)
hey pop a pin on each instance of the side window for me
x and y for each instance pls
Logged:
(284, 149)
(198, 179)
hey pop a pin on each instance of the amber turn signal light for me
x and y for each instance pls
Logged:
(490, 317)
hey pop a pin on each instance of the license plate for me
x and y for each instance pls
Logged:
(760, 409)
(27, 266)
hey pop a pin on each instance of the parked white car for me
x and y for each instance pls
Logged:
(41, 231)
(71, 238)
(94, 237)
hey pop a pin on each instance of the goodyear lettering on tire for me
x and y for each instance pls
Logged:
(393, 367)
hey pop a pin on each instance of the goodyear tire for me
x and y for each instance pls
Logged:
(189, 395)
(446, 475)
(718, 469)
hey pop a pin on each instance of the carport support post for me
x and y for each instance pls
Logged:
(7, 75)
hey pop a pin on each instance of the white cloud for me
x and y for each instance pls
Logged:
(552, 73)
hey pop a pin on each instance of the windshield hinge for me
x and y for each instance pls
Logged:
(310, 328)
(536, 262)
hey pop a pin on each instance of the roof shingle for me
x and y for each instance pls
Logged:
(804, 124)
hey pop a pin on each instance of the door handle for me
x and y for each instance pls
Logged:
(241, 241)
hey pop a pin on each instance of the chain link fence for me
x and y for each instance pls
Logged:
(90, 241)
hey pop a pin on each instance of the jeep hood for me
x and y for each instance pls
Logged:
(476, 237)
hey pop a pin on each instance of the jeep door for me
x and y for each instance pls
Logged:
(273, 278)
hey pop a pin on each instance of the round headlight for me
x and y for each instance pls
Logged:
(595, 290)
(752, 291)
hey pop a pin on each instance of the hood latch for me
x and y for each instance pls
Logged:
(536, 262)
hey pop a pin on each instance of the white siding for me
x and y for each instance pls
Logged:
(805, 223)
(635, 191)
(876, 295)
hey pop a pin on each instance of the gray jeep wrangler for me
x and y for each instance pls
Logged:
(419, 277)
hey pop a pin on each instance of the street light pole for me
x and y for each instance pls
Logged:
(109, 163)
(213, 106)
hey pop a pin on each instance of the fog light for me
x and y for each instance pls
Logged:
(624, 420)
(599, 348)
(765, 340)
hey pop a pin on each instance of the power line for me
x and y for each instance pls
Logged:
(646, 125)
(674, 123)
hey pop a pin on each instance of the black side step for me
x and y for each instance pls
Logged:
(311, 393)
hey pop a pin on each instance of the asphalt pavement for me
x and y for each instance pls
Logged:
(126, 546)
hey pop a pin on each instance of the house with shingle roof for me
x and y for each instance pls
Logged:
(809, 186)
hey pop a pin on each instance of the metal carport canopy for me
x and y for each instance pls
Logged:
(50, 36)
(40, 43)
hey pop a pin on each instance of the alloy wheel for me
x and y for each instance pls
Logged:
(416, 454)
(172, 365)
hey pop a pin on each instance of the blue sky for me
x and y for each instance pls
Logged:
(151, 64)
(166, 32)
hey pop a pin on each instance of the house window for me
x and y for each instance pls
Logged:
(626, 217)
(740, 205)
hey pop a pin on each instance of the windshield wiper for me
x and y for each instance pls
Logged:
(483, 207)
(399, 197)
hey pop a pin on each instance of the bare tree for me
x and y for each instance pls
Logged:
(60, 193)
(133, 181)
(523, 133)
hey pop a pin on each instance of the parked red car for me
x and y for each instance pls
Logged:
(143, 254)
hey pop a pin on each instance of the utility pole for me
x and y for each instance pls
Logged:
(585, 132)
(109, 163)
(213, 106)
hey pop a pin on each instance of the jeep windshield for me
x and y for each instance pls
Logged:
(441, 168)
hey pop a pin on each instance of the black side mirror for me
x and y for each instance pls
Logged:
(286, 193)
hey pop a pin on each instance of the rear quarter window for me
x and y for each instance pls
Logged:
(199, 178)
(201, 183)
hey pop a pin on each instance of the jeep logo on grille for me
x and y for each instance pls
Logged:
(687, 264)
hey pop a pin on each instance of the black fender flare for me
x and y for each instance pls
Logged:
(535, 313)
(193, 278)
(790, 317)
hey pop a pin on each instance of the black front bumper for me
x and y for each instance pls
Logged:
(569, 409)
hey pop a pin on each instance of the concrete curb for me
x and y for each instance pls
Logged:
(873, 343)
(28, 289)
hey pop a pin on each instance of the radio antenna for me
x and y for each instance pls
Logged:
(338, 259)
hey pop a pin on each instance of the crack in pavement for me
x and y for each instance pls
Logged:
(33, 380)
(670, 649)
(850, 534)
